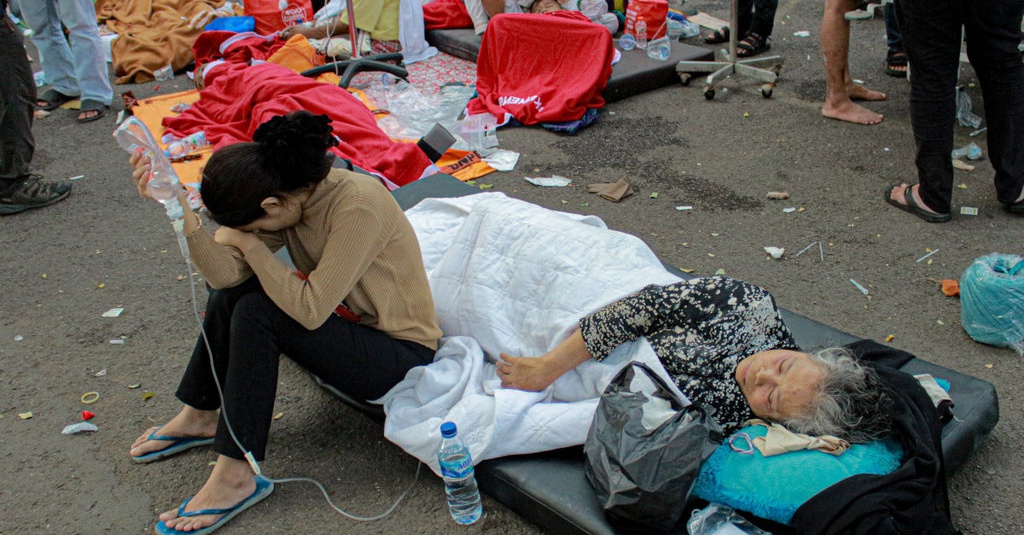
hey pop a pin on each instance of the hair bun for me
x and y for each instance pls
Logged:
(292, 141)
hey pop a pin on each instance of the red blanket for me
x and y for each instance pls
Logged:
(542, 68)
(238, 98)
(446, 14)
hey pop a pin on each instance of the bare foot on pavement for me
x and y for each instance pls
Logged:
(851, 113)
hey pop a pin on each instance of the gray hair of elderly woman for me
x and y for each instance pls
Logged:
(851, 402)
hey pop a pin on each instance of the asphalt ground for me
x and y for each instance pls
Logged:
(104, 247)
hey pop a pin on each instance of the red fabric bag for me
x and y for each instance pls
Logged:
(271, 18)
(654, 13)
(524, 73)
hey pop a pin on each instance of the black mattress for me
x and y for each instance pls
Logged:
(634, 74)
(550, 488)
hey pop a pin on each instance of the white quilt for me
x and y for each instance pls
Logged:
(512, 277)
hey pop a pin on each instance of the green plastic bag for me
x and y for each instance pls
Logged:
(992, 301)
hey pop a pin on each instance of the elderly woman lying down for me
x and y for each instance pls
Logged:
(725, 345)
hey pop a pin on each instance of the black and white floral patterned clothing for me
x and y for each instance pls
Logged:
(700, 329)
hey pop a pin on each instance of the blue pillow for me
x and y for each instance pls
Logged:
(775, 487)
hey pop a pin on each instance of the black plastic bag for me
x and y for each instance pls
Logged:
(644, 450)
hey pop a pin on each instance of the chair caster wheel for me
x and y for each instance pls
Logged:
(709, 93)
(684, 78)
(766, 90)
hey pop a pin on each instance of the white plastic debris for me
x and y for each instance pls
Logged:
(775, 252)
(550, 182)
(802, 33)
(80, 427)
(502, 160)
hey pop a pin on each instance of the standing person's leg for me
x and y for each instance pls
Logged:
(17, 99)
(54, 52)
(840, 90)
(764, 17)
(745, 12)
(895, 56)
(932, 35)
(762, 22)
(993, 34)
(19, 191)
(79, 16)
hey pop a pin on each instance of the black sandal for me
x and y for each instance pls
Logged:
(896, 64)
(53, 99)
(752, 44)
(720, 35)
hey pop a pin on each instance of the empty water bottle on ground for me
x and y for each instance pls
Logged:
(459, 480)
(180, 148)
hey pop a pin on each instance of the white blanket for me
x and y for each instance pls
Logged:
(511, 277)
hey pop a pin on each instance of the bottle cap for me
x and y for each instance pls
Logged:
(448, 430)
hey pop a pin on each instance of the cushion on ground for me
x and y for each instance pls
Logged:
(550, 488)
(634, 74)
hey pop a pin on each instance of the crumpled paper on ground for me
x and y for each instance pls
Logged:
(613, 191)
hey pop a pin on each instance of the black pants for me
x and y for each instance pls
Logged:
(756, 16)
(248, 333)
(932, 34)
(17, 104)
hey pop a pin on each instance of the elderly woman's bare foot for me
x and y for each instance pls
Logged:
(230, 486)
(188, 423)
(859, 92)
(846, 110)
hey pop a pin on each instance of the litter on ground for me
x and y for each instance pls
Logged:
(857, 285)
(80, 427)
(549, 182)
(930, 252)
(802, 251)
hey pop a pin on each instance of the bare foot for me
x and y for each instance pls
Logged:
(851, 113)
(230, 482)
(899, 195)
(188, 423)
(859, 92)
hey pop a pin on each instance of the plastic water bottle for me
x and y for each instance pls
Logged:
(163, 184)
(459, 481)
(186, 145)
(641, 33)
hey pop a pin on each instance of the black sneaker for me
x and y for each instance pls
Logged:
(32, 192)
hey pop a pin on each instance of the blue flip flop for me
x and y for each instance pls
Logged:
(264, 487)
(177, 445)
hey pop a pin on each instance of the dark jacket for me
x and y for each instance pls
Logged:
(913, 498)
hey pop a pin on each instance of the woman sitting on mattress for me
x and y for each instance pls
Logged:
(358, 313)
(725, 345)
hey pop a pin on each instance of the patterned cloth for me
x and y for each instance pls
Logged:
(700, 329)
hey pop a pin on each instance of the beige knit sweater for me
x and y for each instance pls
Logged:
(356, 246)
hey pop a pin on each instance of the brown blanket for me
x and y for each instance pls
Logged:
(151, 34)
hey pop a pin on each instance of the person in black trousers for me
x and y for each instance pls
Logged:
(19, 190)
(932, 33)
(756, 22)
